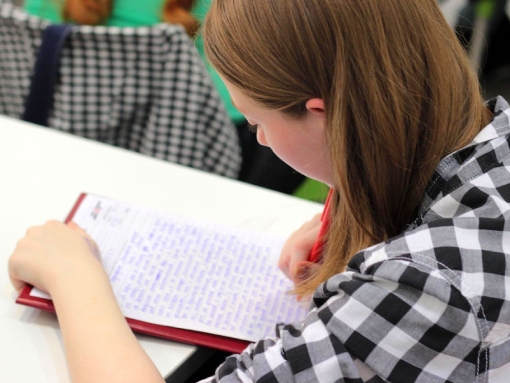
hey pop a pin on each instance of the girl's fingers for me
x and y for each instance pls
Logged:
(90, 242)
(301, 252)
(303, 270)
(297, 248)
(73, 225)
(18, 285)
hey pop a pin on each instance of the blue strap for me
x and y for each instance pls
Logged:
(40, 97)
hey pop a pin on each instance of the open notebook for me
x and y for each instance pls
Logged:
(183, 278)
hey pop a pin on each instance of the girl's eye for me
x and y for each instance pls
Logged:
(252, 128)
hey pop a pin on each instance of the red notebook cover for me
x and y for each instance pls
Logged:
(179, 335)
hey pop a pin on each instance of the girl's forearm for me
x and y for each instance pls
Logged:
(99, 344)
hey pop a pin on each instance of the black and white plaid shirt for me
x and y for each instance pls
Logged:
(432, 305)
(143, 89)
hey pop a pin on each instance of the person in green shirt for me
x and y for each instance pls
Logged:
(135, 13)
(260, 165)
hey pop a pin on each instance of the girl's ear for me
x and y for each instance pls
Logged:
(315, 106)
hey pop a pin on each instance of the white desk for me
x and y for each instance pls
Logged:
(42, 172)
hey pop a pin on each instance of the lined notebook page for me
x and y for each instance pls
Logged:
(187, 273)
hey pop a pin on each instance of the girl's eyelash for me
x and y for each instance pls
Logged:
(252, 128)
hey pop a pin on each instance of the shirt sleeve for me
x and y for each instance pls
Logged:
(267, 361)
(403, 323)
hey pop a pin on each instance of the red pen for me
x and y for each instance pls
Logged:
(316, 252)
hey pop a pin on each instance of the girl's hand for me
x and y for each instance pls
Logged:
(296, 250)
(50, 253)
(100, 347)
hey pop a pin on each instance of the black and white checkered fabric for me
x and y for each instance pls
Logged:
(431, 305)
(141, 88)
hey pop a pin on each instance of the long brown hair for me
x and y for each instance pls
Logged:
(94, 12)
(398, 90)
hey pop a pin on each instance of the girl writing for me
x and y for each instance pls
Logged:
(376, 99)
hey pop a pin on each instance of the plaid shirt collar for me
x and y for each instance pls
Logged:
(458, 166)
